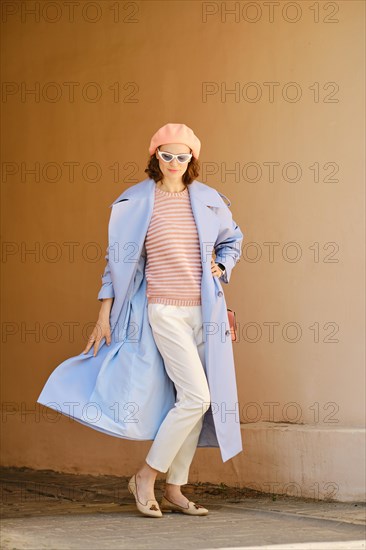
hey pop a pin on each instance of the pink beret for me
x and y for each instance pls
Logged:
(175, 133)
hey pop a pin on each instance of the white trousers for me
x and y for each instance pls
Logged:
(178, 334)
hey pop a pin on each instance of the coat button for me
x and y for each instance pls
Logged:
(227, 332)
(220, 293)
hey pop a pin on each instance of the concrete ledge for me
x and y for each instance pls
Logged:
(322, 462)
(308, 461)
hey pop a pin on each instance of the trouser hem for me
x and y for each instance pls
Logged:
(155, 468)
(172, 480)
(176, 482)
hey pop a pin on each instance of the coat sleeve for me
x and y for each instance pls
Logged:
(228, 243)
(106, 290)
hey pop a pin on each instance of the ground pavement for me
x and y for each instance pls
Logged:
(55, 511)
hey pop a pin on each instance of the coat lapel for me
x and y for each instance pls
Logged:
(203, 201)
(138, 200)
(129, 222)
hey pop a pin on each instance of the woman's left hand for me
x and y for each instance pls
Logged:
(215, 270)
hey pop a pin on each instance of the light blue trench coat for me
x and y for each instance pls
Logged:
(124, 391)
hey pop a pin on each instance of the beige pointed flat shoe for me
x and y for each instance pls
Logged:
(151, 508)
(192, 509)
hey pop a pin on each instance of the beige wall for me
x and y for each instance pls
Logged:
(162, 62)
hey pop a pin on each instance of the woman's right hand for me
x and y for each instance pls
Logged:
(101, 330)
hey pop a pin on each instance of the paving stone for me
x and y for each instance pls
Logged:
(55, 511)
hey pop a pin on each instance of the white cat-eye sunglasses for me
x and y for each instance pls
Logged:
(168, 157)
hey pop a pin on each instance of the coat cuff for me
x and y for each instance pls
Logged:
(106, 291)
(229, 263)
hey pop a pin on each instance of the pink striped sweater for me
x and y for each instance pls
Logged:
(173, 265)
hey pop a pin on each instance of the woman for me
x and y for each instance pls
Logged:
(170, 295)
